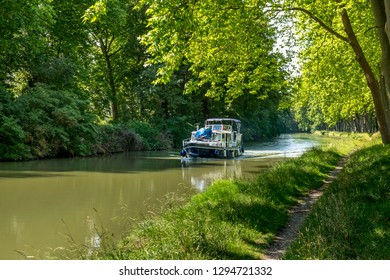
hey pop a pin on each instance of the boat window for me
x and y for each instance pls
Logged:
(217, 127)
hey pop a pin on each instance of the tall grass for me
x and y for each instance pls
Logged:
(352, 219)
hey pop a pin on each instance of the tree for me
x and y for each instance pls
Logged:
(23, 26)
(115, 27)
(335, 18)
(332, 90)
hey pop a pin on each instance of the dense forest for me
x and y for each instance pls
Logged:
(86, 77)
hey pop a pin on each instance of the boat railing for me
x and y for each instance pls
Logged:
(220, 127)
(186, 141)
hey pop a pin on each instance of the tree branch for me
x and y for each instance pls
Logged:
(320, 22)
(111, 41)
(115, 52)
(371, 28)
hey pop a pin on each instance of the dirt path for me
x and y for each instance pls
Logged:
(298, 214)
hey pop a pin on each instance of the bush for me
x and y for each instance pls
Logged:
(12, 135)
(152, 138)
(57, 123)
(177, 129)
(117, 138)
(45, 123)
(131, 136)
(12, 145)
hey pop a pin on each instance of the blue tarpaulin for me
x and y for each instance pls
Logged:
(204, 133)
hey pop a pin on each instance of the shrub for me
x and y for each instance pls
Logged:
(56, 123)
(152, 138)
(176, 129)
(12, 136)
(117, 138)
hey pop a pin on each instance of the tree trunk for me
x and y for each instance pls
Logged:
(381, 10)
(379, 96)
(110, 75)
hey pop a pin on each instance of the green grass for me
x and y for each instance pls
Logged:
(352, 219)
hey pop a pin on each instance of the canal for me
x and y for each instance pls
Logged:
(45, 203)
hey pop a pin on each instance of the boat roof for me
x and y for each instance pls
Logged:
(222, 119)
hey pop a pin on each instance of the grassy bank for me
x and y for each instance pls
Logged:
(232, 219)
(351, 221)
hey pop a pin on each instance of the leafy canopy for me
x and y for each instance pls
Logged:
(228, 45)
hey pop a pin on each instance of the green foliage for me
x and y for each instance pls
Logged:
(22, 24)
(93, 48)
(96, 11)
(177, 129)
(227, 45)
(117, 54)
(57, 72)
(120, 137)
(12, 136)
(152, 138)
(46, 123)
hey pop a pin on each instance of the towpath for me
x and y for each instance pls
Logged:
(297, 214)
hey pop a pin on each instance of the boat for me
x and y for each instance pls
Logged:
(220, 137)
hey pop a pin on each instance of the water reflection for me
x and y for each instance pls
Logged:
(43, 201)
(210, 171)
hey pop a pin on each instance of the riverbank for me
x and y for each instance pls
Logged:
(79, 140)
(232, 219)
